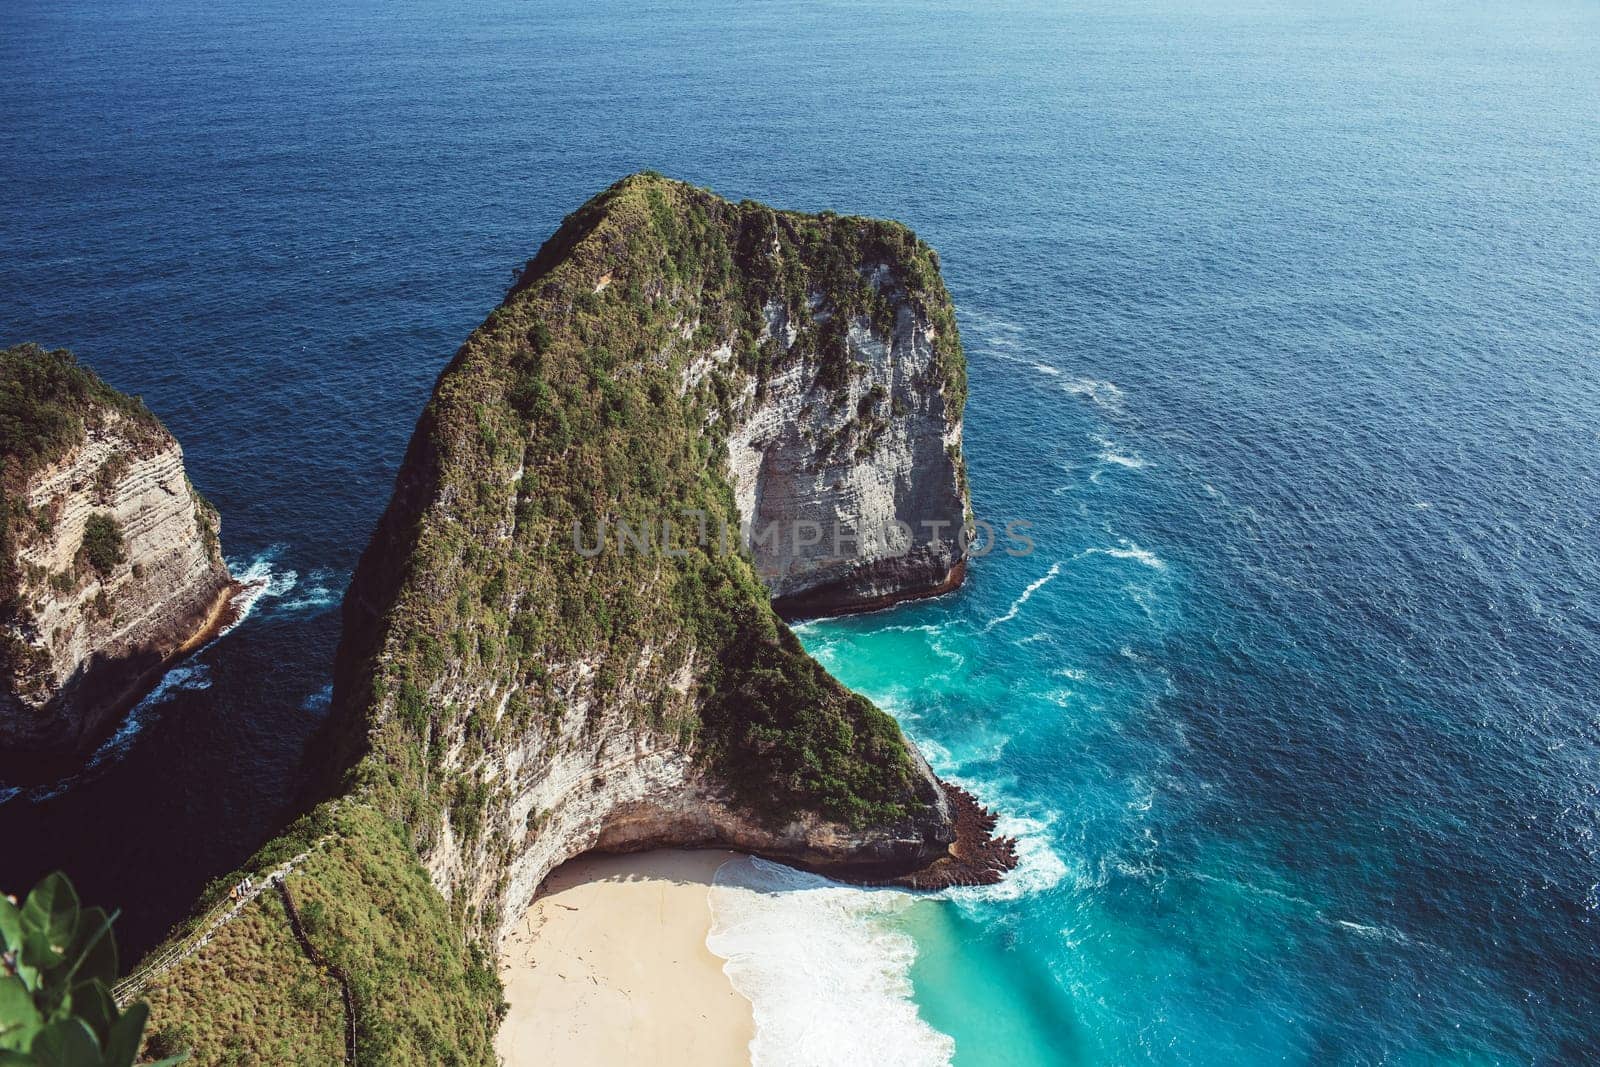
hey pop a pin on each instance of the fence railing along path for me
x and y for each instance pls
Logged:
(153, 967)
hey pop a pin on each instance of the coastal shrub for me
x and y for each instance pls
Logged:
(109, 474)
(102, 542)
(45, 399)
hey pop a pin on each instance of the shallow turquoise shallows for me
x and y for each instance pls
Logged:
(1284, 331)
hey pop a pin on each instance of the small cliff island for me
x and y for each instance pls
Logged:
(110, 564)
(562, 637)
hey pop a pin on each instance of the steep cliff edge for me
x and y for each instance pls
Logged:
(851, 495)
(542, 611)
(109, 558)
(554, 642)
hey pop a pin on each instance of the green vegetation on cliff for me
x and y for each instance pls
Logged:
(423, 993)
(47, 402)
(46, 399)
(590, 396)
(102, 542)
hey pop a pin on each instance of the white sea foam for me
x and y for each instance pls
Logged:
(318, 702)
(1045, 368)
(1110, 452)
(936, 754)
(1104, 394)
(1128, 550)
(1016, 605)
(975, 321)
(946, 653)
(1145, 597)
(1375, 933)
(320, 590)
(260, 581)
(826, 972)
(190, 677)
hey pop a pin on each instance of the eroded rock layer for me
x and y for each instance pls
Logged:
(111, 558)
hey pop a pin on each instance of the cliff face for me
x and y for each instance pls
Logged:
(554, 607)
(553, 642)
(852, 498)
(111, 559)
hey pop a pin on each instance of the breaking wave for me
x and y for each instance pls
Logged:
(826, 972)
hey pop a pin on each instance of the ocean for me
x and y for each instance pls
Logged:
(1283, 325)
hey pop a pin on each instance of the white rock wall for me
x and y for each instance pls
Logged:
(142, 611)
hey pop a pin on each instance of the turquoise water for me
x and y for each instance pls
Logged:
(1282, 323)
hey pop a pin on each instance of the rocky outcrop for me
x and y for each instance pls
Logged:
(112, 565)
(598, 781)
(667, 354)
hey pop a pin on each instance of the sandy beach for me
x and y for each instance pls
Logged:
(610, 967)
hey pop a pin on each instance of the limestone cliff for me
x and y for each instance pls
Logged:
(851, 497)
(554, 642)
(109, 564)
(667, 354)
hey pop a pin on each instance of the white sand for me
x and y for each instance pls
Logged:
(609, 966)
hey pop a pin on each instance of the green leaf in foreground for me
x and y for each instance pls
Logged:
(57, 963)
(49, 920)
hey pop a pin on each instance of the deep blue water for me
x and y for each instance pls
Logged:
(1284, 331)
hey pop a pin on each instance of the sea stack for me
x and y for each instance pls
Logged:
(560, 638)
(556, 601)
(110, 563)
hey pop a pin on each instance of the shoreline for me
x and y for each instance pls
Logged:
(609, 966)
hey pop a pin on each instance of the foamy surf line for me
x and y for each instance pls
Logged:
(1038, 866)
(1129, 551)
(1107, 395)
(827, 975)
(257, 581)
(1016, 605)
(188, 676)
(1109, 453)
